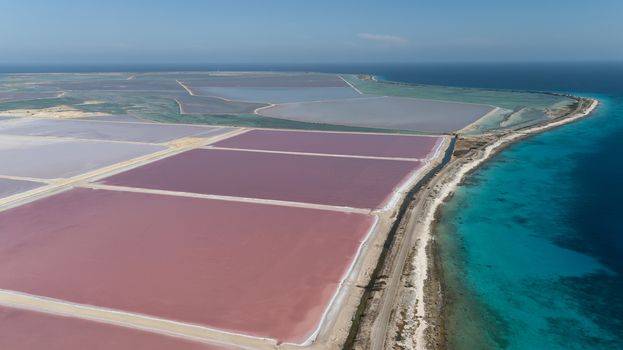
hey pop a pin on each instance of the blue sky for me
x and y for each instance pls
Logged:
(298, 31)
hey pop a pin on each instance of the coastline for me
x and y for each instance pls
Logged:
(418, 320)
(422, 199)
(430, 333)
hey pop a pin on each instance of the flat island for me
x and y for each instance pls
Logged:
(226, 210)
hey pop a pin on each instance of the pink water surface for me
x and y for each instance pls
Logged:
(351, 182)
(376, 145)
(257, 269)
(27, 330)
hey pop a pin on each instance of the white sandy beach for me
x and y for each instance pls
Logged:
(441, 188)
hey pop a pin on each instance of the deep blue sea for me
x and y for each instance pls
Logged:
(532, 243)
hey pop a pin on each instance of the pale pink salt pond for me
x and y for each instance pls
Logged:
(357, 144)
(261, 270)
(28, 330)
(337, 181)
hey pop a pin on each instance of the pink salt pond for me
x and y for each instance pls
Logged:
(337, 181)
(257, 269)
(357, 144)
(27, 330)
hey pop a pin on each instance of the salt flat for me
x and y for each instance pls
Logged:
(101, 130)
(54, 158)
(400, 113)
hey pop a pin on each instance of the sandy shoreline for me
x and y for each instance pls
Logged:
(417, 321)
(426, 337)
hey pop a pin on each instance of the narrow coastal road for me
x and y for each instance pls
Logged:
(382, 321)
(387, 304)
(413, 228)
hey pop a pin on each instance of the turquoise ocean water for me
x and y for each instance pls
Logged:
(532, 243)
